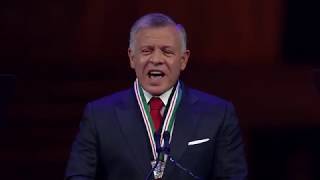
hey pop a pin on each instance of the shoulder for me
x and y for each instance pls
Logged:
(206, 98)
(208, 103)
(112, 100)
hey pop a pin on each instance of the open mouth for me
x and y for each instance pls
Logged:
(155, 74)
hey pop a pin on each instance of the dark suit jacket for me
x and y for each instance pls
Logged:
(112, 143)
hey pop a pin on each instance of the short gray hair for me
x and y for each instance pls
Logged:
(156, 20)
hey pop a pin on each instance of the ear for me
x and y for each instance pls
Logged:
(131, 58)
(184, 60)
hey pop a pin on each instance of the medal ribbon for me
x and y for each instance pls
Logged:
(168, 123)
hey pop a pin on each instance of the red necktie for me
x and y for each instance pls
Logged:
(155, 111)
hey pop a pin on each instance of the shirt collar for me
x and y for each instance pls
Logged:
(164, 96)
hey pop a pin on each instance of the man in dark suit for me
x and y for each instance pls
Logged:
(143, 132)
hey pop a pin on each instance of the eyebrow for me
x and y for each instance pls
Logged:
(167, 47)
(161, 47)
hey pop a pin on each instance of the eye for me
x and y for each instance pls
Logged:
(146, 51)
(168, 52)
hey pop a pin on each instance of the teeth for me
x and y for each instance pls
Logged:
(155, 73)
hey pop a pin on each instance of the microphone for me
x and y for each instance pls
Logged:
(166, 142)
(157, 136)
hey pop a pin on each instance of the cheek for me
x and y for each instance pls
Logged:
(140, 66)
(175, 71)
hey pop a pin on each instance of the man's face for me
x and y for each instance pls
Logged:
(157, 58)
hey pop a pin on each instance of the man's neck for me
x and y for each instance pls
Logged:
(164, 96)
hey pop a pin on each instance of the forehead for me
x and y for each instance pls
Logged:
(167, 35)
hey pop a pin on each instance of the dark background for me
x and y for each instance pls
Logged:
(262, 55)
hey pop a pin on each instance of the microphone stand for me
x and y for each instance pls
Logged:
(185, 170)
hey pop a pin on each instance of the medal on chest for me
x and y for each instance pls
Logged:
(159, 159)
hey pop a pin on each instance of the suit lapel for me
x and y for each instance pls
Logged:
(134, 131)
(184, 128)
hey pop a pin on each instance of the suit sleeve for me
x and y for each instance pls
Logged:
(83, 157)
(229, 158)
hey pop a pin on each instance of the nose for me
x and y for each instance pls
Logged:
(157, 57)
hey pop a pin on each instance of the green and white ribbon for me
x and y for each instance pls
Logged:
(169, 116)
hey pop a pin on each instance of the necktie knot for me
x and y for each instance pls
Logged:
(156, 103)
